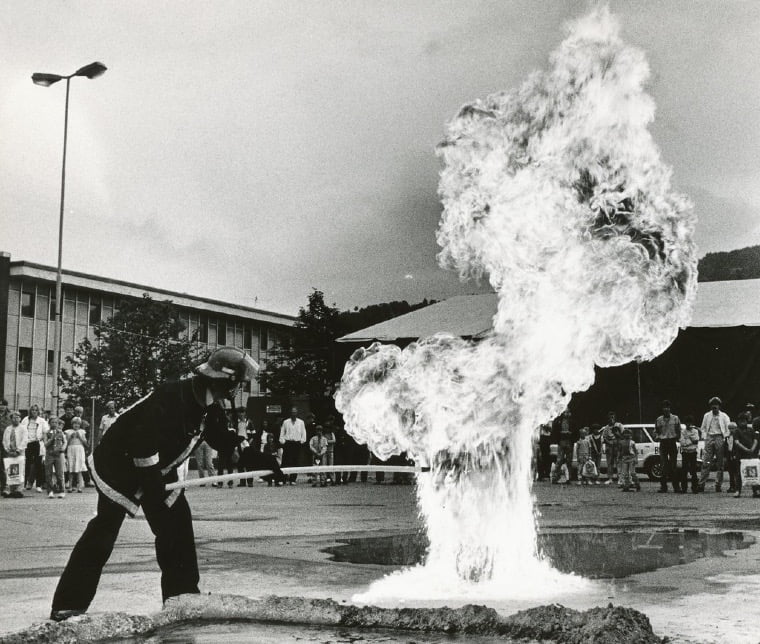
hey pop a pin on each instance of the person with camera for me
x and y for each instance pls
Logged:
(318, 447)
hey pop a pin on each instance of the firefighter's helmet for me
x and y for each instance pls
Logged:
(229, 363)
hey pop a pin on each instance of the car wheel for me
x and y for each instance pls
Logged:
(653, 468)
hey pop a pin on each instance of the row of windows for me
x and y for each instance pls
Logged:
(229, 333)
(40, 303)
(90, 309)
(24, 364)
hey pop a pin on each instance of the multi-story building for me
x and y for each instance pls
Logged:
(27, 325)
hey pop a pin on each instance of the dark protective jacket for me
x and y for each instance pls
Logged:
(144, 446)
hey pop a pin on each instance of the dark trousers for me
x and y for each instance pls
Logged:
(175, 552)
(734, 466)
(359, 455)
(341, 459)
(544, 457)
(252, 460)
(668, 456)
(224, 462)
(3, 478)
(34, 474)
(291, 457)
(689, 469)
(379, 476)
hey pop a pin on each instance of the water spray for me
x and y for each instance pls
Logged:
(555, 192)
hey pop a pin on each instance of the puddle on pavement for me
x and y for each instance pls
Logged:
(596, 555)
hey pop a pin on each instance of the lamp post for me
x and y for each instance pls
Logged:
(93, 70)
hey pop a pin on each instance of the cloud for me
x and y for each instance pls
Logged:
(722, 223)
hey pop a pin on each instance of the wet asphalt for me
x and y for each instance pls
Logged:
(260, 540)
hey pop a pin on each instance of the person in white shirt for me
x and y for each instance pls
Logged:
(108, 419)
(36, 429)
(714, 431)
(292, 438)
(242, 425)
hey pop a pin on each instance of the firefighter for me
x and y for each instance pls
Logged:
(134, 461)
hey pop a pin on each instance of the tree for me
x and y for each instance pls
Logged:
(137, 349)
(302, 366)
(310, 364)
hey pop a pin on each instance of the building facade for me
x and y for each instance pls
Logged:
(27, 325)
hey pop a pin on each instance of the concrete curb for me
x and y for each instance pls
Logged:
(554, 623)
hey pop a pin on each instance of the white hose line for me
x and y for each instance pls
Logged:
(311, 469)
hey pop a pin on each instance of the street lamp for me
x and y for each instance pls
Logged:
(93, 70)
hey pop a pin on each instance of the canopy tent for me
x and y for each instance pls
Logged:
(468, 316)
(719, 354)
(718, 304)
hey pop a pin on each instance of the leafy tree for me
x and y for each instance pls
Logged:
(311, 364)
(350, 321)
(137, 349)
(739, 264)
(303, 365)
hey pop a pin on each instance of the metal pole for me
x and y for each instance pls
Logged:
(58, 289)
(311, 469)
(92, 425)
(638, 387)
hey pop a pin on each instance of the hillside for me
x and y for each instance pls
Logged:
(740, 264)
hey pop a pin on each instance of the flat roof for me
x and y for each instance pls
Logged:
(718, 304)
(119, 287)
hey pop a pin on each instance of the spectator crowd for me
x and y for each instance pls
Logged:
(50, 453)
(724, 444)
(293, 442)
(45, 452)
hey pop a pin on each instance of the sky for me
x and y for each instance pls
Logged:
(252, 151)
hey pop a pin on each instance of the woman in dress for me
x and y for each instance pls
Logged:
(75, 453)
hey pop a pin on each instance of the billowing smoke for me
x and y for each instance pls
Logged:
(555, 192)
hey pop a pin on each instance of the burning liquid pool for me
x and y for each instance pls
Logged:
(609, 556)
(594, 555)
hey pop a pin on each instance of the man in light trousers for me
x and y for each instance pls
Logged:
(714, 430)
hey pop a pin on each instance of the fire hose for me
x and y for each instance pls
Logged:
(311, 469)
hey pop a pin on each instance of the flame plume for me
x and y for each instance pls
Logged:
(554, 191)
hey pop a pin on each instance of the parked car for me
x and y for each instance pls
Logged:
(648, 449)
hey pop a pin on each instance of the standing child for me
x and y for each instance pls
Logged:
(55, 458)
(689, 441)
(273, 451)
(627, 459)
(318, 448)
(611, 434)
(730, 463)
(76, 444)
(586, 469)
(14, 445)
(745, 446)
(595, 449)
(329, 434)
